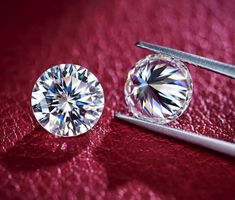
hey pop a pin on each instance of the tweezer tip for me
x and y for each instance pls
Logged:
(144, 45)
(123, 117)
(117, 115)
(139, 43)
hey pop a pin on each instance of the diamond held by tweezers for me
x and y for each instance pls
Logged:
(158, 88)
(67, 100)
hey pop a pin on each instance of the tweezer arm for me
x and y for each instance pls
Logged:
(204, 141)
(206, 63)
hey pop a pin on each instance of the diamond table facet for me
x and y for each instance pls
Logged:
(158, 88)
(67, 100)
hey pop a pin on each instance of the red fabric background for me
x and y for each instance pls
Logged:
(115, 160)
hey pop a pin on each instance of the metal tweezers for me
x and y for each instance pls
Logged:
(194, 138)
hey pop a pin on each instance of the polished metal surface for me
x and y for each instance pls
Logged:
(206, 63)
(194, 138)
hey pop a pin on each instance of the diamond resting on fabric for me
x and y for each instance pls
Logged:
(158, 88)
(67, 100)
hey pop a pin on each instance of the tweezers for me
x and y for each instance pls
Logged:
(187, 136)
(197, 61)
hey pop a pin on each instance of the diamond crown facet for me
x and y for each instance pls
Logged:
(67, 100)
(158, 88)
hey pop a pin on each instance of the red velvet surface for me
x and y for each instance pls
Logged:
(114, 160)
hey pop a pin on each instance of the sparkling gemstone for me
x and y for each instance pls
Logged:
(158, 88)
(67, 100)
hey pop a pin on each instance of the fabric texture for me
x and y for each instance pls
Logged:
(114, 160)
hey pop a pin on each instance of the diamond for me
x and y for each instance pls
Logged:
(67, 100)
(158, 88)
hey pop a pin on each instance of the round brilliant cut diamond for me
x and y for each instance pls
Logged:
(67, 100)
(158, 88)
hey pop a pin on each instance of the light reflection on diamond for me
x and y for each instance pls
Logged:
(67, 100)
(158, 88)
